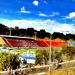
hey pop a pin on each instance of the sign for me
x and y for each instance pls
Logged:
(30, 58)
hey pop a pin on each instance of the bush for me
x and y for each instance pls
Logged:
(7, 59)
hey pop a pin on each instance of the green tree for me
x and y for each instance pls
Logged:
(42, 56)
(3, 29)
(69, 51)
(8, 59)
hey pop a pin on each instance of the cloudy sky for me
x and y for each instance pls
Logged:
(51, 15)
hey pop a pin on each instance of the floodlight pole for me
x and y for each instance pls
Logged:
(50, 53)
(10, 31)
(35, 34)
(50, 50)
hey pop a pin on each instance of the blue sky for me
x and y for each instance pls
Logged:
(51, 15)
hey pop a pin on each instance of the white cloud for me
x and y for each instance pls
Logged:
(54, 14)
(71, 15)
(35, 2)
(42, 14)
(37, 24)
(47, 15)
(49, 25)
(23, 10)
(65, 28)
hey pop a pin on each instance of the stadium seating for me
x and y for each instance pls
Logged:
(21, 43)
(46, 43)
(17, 42)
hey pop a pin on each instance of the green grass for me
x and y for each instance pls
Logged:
(21, 51)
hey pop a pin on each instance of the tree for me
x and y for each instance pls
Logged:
(30, 32)
(42, 56)
(16, 29)
(69, 51)
(8, 59)
(22, 32)
(41, 33)
(3, 29)
(56, 35)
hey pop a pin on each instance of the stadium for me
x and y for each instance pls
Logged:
(26, 47)
(37, 37)
(16, 41)
(29, 45)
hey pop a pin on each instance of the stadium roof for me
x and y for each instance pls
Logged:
(8, 36)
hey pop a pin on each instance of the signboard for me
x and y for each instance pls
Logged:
(30, 58)
(71, 43)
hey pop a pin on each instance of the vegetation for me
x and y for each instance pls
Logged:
(64, 53)
(42, 56)
(4, 30)
(22, 51)
(31, 32)
(69, 51)
(7, 59)
(70, 71)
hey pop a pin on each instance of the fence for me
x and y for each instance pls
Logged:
(67, 68)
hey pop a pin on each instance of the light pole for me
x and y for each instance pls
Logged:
(10, 31)
(50, 50)
(50, 55)
(35, 34)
